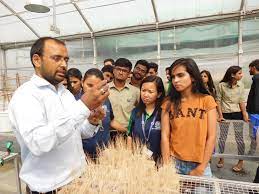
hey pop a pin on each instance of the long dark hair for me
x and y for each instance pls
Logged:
(160, 90)
(211, 86)
(197, 84)
(228, 77)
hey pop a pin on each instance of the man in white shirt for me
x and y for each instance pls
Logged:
(48, 122)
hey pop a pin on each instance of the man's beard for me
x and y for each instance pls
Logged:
(52, 80)
(137, 78)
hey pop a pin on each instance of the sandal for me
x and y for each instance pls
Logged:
(220, 163)
(237, 168)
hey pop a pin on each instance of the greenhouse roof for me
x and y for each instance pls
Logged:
(72, 18)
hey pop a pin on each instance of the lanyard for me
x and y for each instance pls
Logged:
(143, 123)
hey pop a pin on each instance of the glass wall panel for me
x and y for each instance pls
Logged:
(131, 46)
(250, 46)
(19, 67)
(81, 54)
(251, 35)
(200, 40)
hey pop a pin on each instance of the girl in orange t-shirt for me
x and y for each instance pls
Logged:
(188, 131)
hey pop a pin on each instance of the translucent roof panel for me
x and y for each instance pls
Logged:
(111, 14)
(4, 10)
(17, 6)
(9, 26)
(168, 10)
(76, 17)
(68, 21)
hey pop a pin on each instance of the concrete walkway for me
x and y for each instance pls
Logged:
(7, 179)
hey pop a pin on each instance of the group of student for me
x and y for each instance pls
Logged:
(188, 109)
(186, 103)
(176, 118)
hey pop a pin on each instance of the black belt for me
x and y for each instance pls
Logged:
(28, 191)
(49, 192)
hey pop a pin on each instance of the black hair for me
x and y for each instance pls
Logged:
(107, 68)
(111, 60)
(153, 65)
(167, 69)
(160, 90)
(228, 77)
(38, 46)
(93, 71)
(74, 72)
(211, 86)
(197, 85)
(255, 64)
(142, 62)
(123, 62)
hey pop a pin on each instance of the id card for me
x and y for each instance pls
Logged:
(147, 152)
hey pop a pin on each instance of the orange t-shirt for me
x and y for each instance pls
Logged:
(189, 127)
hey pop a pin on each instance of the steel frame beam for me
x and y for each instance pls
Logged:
(20, 18)
(83, 17)
(154, 10)
(240, 32)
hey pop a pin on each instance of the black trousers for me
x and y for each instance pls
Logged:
(256, 180)
(28, 191)
(233, 116)
(50, 192)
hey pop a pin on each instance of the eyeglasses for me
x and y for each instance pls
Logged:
(121, 70)
(58, 58)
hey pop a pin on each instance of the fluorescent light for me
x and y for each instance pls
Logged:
(36, 6)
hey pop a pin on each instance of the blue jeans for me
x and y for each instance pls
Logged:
(185, 167)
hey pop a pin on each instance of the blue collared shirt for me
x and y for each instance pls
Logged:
(102, 137)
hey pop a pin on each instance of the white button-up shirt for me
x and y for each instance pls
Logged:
(48, 124)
